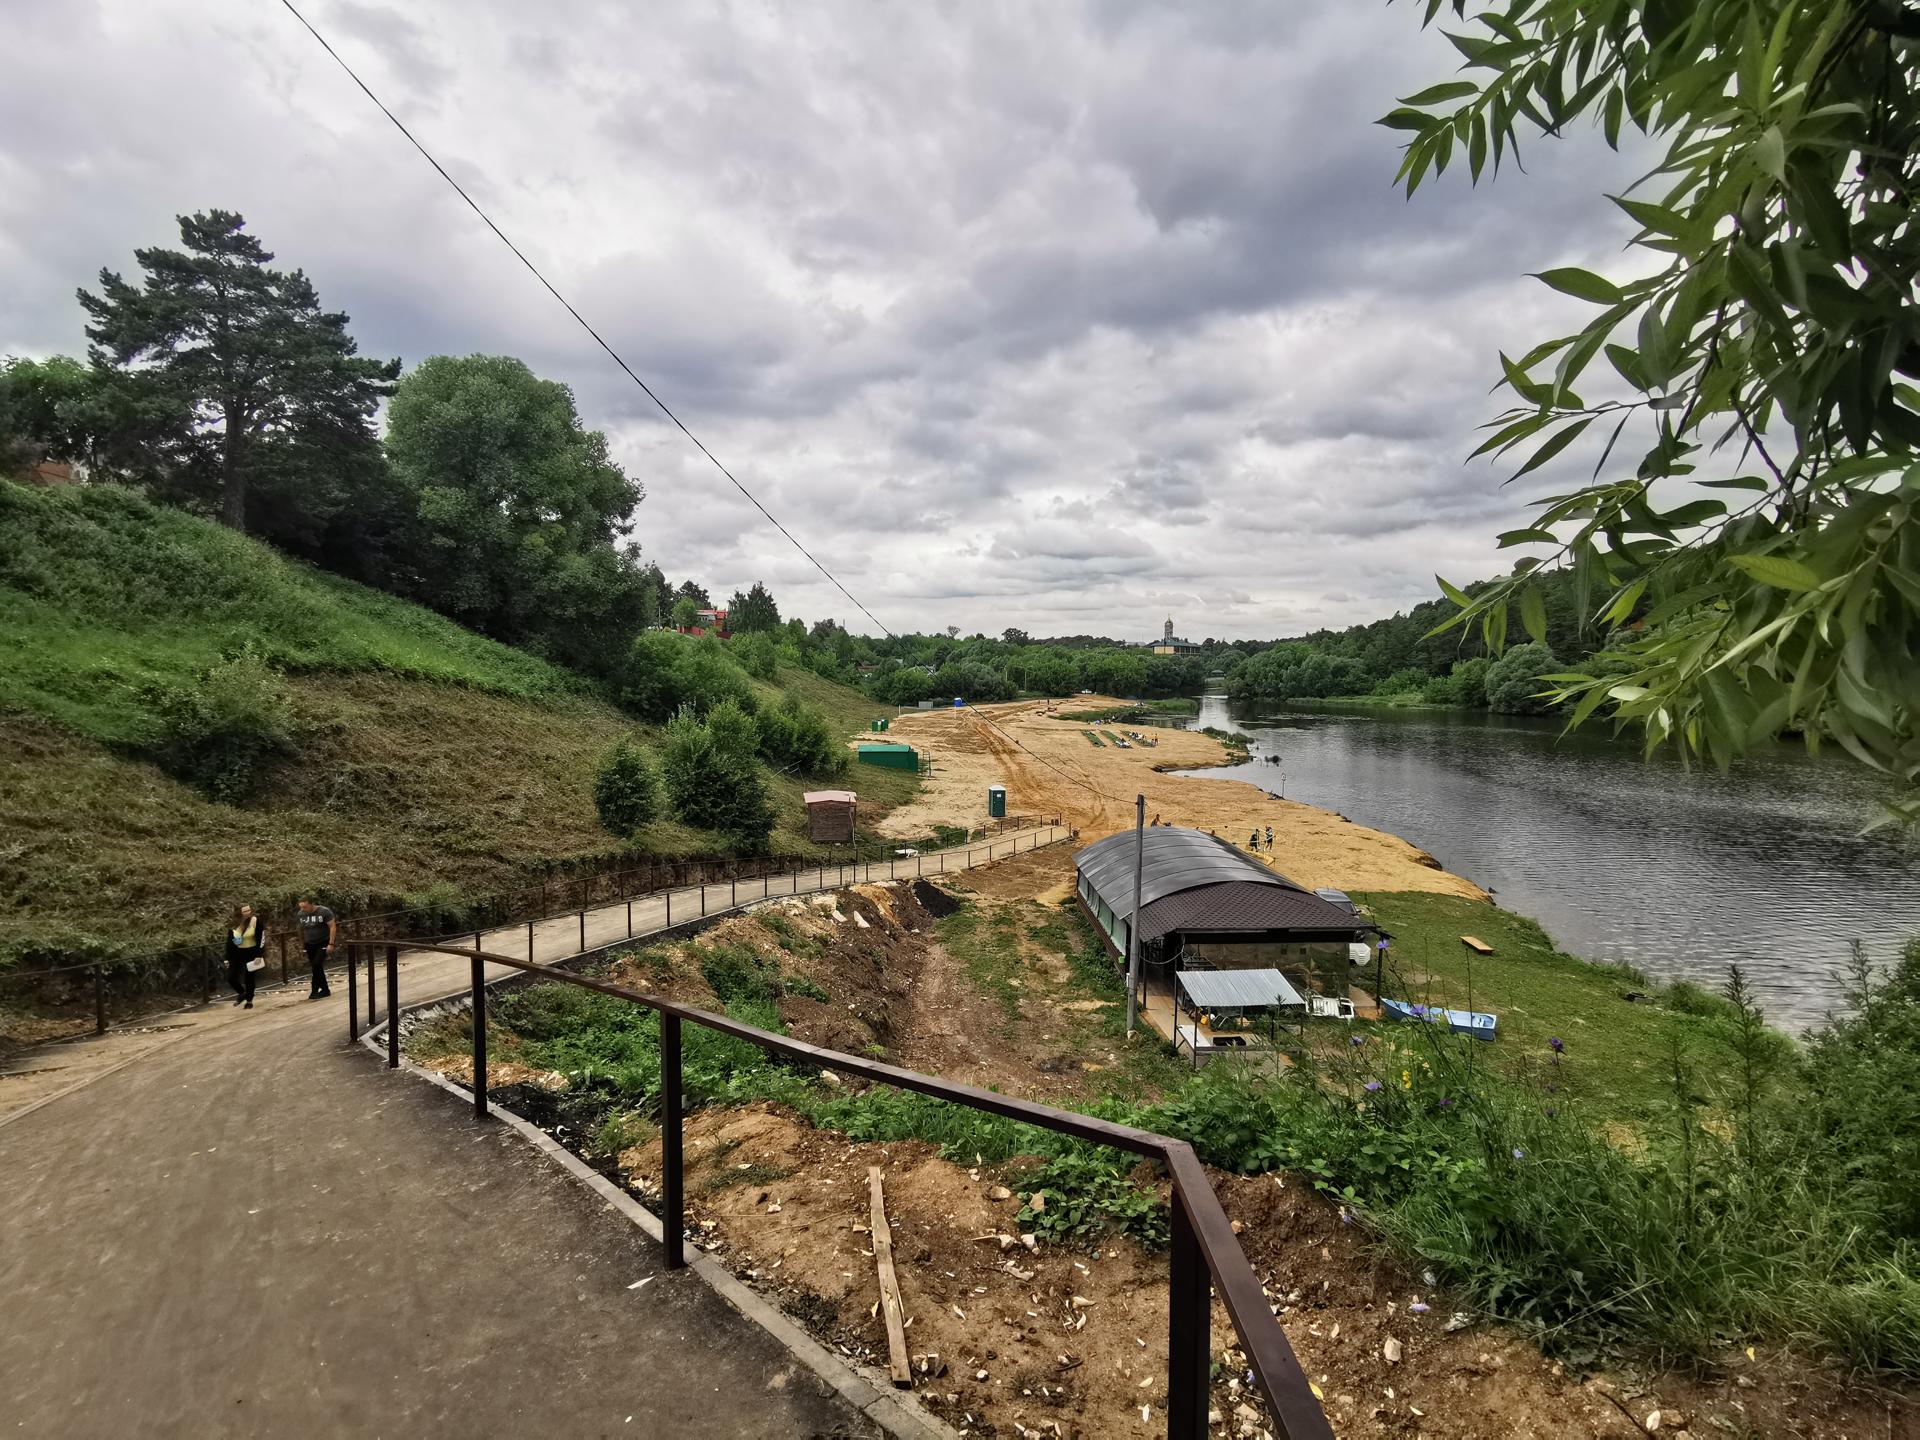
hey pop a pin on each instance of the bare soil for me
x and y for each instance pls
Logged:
(1009, 1339)
(1065, 1341)
(1050, 768)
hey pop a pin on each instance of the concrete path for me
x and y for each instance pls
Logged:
(243, 1227)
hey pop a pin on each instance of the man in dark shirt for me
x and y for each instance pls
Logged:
(317, 930)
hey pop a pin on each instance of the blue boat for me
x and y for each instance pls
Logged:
(1477, 1023)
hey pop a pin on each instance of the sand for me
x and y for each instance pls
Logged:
(1050, 768)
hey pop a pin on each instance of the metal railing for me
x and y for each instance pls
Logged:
(630, 882)
(1205, 1255)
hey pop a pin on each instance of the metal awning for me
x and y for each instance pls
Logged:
(1243, 989)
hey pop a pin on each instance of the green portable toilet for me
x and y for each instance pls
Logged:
(997, 802)
(885, 723)
(892, 757)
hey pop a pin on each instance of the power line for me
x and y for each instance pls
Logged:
(534, 270)
(646, 389)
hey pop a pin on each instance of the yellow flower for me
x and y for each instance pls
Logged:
(1406, 1080)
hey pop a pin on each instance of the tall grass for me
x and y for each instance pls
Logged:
(103, 594)
(1773, 1198)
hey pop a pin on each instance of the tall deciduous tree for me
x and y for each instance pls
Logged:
(1768, 348)
(250, 384)
(520, 510)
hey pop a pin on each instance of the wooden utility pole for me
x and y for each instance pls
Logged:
(1133, 922)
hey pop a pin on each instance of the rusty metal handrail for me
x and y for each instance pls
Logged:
(1201, 1233)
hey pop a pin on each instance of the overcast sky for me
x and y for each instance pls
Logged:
(1065, 316)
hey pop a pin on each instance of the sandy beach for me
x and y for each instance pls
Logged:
(1050, 767)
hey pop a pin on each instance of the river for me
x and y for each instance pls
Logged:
(1678, 872)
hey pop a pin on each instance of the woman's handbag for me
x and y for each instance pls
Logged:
(259, 962)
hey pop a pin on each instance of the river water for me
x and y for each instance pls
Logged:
(1678, 872)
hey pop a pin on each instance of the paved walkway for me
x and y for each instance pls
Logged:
(241, 1227)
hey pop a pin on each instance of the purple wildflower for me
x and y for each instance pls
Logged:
(1346, 1216)
(1519, 1154)
(1356, 1040)
(1445, 1101)
(1556, 1044)
(1417, 1308)
(1420, 1011)
(1372, 1085)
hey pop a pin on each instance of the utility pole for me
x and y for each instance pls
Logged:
(1133, 923)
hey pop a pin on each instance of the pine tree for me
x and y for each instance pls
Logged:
(257, 382)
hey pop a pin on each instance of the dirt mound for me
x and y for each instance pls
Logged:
(935, 901)
(1071, 1341)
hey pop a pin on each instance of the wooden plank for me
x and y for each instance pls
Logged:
(890, 1306)
(1476, 944)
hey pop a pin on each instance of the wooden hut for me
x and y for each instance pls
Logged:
(830, 816)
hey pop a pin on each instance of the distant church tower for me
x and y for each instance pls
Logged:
(1167, 634)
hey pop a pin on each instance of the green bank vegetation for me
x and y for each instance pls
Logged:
(193, 718)
(1664, 1177)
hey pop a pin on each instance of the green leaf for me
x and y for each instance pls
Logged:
(1554, 446)
(1405, 120)
(1510, 538)
(1533, 614)
(1582, 285)
(1435, 94)
(1777, 571)
(1769, 153)
(1454, 593)
(1524, 385)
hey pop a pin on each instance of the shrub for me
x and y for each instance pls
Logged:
(1862, 1116)
(662, 672)
(1513, 683)
(795, 736)
(712, 781)
(216, 732)
(740, 975)
(755, 654)
(1465, 684)
(626, 792)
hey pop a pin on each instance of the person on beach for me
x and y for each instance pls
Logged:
(1253, 842)
(246, 938)
(318, 929)
(1269, 837)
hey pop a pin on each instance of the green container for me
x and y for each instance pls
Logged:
(997, 801)
(885, 723)
(892, 757)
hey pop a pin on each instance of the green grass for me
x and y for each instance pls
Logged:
(988, 949)
(428, 766)
(1094, 739)
(105, 593)
(1138, 710)
(1619, 1052)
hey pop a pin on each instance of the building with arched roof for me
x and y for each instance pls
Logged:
(1204, 904)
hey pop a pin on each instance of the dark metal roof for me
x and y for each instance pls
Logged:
(1238, 908)
(1199, 882)
(1176, 859)
(1220, 989)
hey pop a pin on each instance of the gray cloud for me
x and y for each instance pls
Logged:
(1064, 316)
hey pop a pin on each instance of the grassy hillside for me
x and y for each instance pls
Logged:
(426, 760)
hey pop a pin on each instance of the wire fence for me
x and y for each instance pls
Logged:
(546, 898)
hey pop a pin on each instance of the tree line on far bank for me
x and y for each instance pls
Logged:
(1401, 660)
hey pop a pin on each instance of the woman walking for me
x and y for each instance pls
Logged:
(246, 938)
